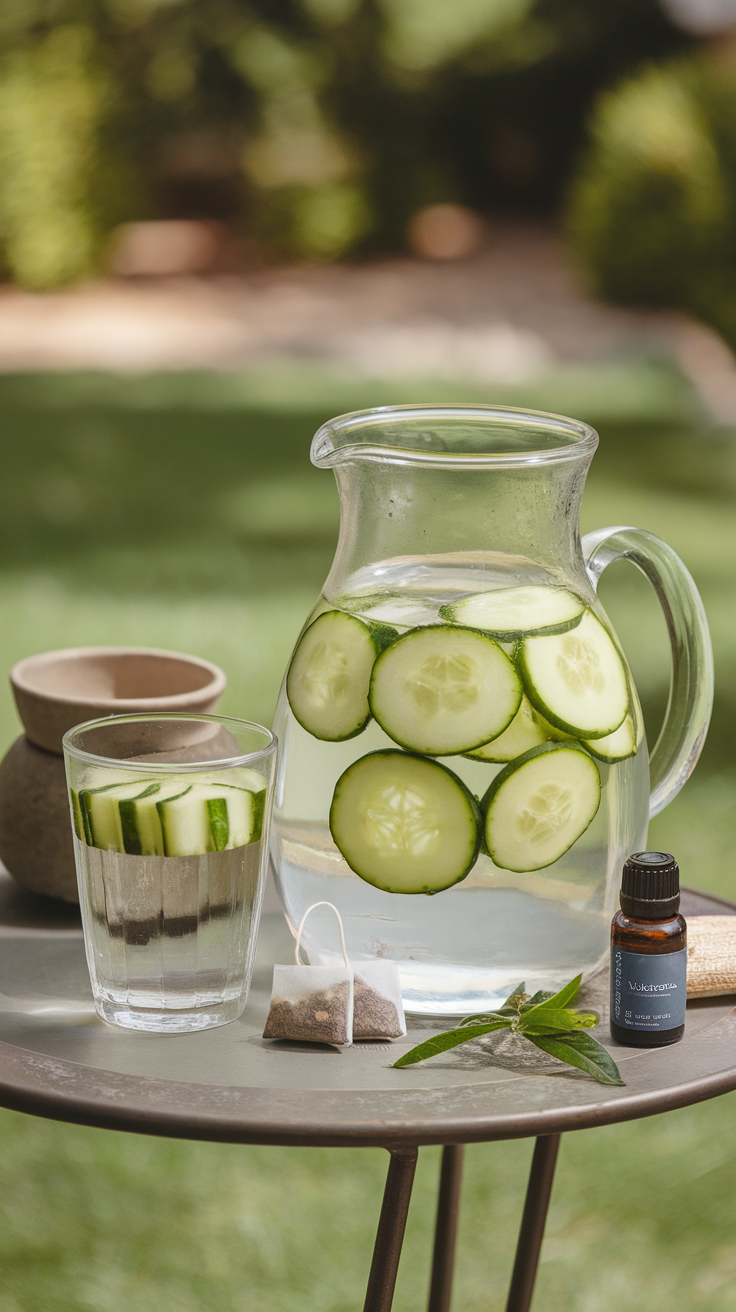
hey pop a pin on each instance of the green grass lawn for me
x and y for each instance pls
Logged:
(181, 511)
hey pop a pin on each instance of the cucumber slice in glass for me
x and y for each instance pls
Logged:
(442, 690)
(405, 824)
(244, 814)
(577, 679)
(525, 731)
(510, 613)
(139, 817)
(101, 812)
(616, 746)
(330, 671)
(208, 818)
(79, 818)
(539, 805)
(170, 817)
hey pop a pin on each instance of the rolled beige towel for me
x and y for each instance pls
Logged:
(711, 956)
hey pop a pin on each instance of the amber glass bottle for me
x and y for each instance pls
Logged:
(649, 954)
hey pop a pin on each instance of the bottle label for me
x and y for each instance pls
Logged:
(648, 992)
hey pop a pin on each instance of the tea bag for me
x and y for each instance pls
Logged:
(312, 1004)
(378, 1011)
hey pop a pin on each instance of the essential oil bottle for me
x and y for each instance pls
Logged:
(649, 954)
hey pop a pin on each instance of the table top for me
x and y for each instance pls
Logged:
(57, 1059)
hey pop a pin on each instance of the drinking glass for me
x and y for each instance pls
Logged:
(170, 815)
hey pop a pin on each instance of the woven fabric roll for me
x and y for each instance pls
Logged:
(711, 956)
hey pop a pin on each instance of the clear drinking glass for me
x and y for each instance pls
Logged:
(170, 815)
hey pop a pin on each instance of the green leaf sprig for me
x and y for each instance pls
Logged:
(546, 1020)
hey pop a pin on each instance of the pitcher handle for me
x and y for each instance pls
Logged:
(690, 702)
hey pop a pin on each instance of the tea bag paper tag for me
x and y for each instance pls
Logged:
(312, 1004)
(378, 1009)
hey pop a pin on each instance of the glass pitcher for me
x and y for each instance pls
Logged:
(463, 761)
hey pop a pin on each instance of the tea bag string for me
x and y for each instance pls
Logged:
(308, 912)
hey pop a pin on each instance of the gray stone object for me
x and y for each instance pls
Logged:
(53, 692)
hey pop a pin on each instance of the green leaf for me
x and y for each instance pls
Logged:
(486, 1017)
(518, 995)
(450, 1039)
(556, 1001)
(583, 1051)
(543, 1020)
(511, 1007)
(541, 996)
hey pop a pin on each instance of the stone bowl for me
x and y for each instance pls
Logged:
(54, 691)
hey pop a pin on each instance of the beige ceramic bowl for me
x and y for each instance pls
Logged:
(58, 689)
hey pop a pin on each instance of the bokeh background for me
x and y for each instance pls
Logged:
(220, 223)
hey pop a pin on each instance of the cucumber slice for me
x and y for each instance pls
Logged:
(391, 608)
(616, 746)
(539, 805)
(551, 732)
(78, 817)
(525, 731)
(442, 690)
(244, 814)
(510, 613)
(185, 823)
(170, 817)
(139, 817)
(405, 824)
(576, 679)
(101, 813)
(208, 818)
(236, 776)
(330, 671)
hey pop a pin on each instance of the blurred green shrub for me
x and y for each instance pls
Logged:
(653, 210)
(317, 127)
(51, 102)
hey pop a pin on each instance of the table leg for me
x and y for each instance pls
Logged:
(532, 1223)
(445, 1233)
(391, 1225)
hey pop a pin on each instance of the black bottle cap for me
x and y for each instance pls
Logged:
(650, 886)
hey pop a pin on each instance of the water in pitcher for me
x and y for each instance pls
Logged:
(466, 947)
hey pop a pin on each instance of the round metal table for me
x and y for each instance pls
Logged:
(230, 1085)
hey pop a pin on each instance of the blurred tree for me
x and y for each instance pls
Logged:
(51, 104)
(317, 126)
(653, 210)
